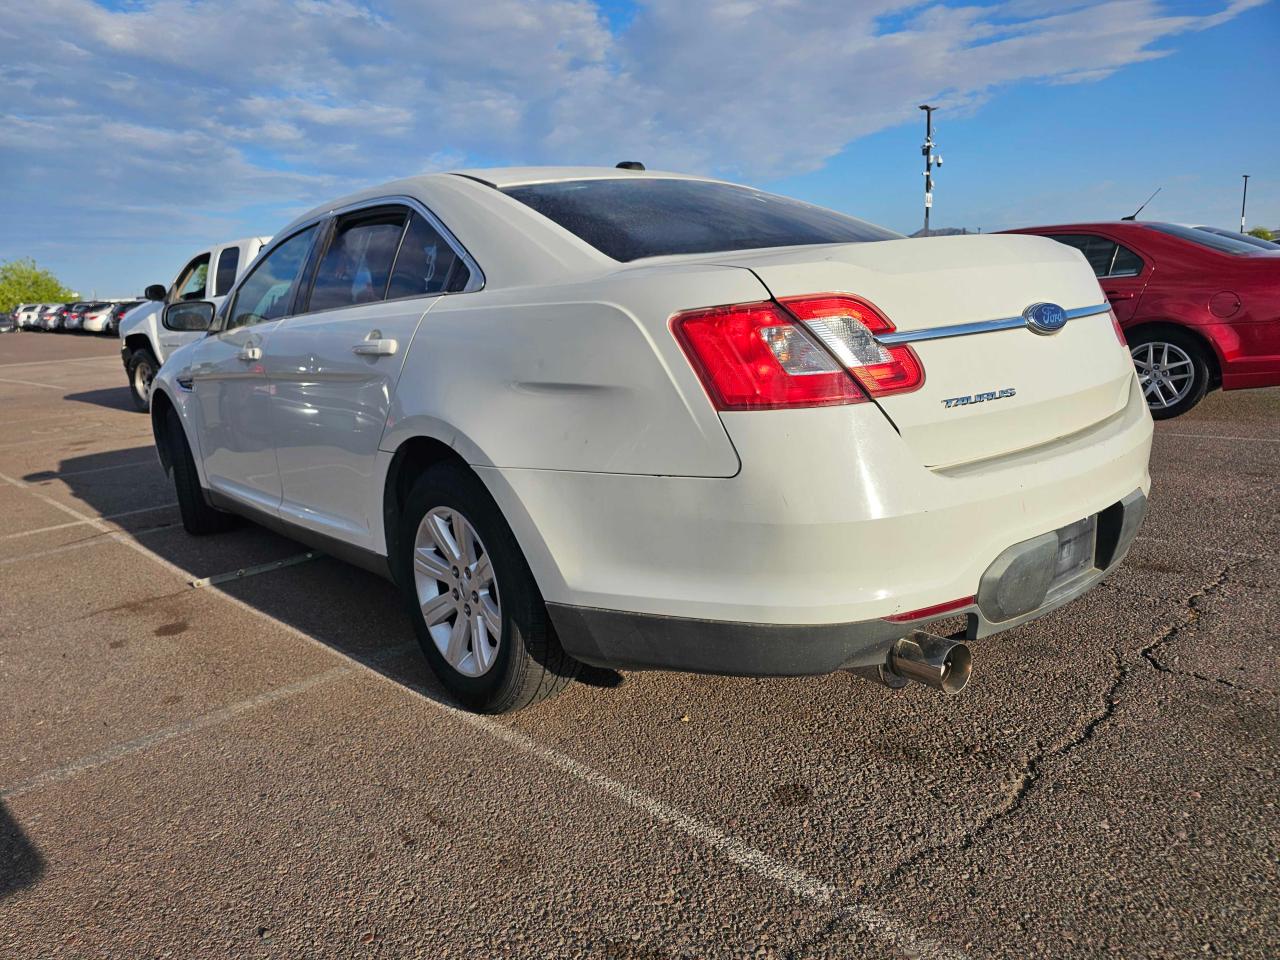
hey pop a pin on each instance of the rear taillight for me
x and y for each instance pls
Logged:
(753, 356)
(848, 327)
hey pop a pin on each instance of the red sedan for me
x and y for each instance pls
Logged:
(1199, 310)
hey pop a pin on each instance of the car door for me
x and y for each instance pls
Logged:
(334, 369)
(229, 379)
(1122, 273)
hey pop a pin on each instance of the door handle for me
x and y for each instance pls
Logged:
(1117, 295)
(375, 346)
(249, 353)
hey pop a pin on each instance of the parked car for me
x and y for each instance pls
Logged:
(145, 342)
(117, 314)
(77, 319)
(73, 318)
(653, 421)
(1200, 310)
(24, 314)
(51, 318)
(97, 316)
(8, 322)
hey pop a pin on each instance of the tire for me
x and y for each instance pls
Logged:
(142, 371)
(528, 664)
(198, 518)
(1173, 370)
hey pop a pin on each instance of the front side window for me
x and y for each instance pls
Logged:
(357, 263)
(267, 293)
(627, 219)
(1106, 257)
(427, 265)
(191, 282)
(225, 277)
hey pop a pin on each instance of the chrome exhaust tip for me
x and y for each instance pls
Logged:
(937, 662)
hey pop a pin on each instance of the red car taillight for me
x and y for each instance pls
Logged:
(753, 356)
(848, 327)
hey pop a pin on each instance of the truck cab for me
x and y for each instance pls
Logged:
(145, 343)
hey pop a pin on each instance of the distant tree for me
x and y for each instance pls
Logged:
(22, 281)
(1262, 233)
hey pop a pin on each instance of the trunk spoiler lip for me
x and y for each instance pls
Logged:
(982, 326)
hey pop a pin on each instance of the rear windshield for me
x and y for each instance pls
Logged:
(1214, 241)
(629, 219)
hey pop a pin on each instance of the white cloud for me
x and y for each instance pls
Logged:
(221, 106)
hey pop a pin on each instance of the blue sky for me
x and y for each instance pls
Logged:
(135, 132)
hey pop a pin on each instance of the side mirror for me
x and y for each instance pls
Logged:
(155, 292)
(188, 316)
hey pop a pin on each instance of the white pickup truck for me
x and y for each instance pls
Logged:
(145, 343)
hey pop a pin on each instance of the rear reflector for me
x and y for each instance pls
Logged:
(848, 326)
(935, 610)
(754, 356)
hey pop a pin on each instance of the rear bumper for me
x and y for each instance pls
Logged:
(831, 520)
(1016, 588)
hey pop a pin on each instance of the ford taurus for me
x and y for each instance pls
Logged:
(652, 421)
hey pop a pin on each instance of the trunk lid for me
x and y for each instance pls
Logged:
(984, 394)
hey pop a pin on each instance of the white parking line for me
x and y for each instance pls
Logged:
(26, 443)
(33, 383)
(80, 523)
(143, 743)
(51, 363)
(150, 461)
(775, 870)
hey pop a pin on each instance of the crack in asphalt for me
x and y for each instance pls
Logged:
(1195, 613)
(1029, 772)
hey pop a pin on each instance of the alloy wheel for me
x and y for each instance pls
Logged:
(142, 377)
(457, 591)
(1165, 372)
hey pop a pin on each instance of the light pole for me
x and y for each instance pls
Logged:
(1243, 199)
(927, 152)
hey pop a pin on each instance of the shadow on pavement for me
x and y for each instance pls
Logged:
(356, 613)
(95, 463)
(114, 398)
(20, 862)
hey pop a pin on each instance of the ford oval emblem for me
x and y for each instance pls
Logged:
(1045, 317)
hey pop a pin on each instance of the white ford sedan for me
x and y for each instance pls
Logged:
(645, 420)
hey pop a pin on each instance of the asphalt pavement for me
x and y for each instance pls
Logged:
(223, 747)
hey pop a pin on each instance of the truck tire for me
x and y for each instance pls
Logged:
(474, 603)
(142, 368)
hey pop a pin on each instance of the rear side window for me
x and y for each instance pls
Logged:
(426, 265)
(225, 277)
(1106, 257)
(628, 219)
(267, 293)
(357, 263)
(1214, 241)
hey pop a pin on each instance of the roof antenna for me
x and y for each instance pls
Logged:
(630, 165)
(1134, 215)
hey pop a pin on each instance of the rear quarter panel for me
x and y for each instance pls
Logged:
(583, 376)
